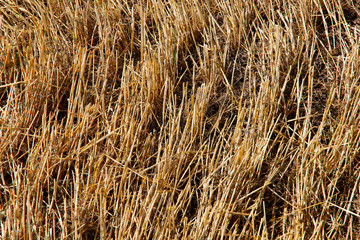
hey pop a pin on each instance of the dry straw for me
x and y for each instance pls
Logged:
(179, 119)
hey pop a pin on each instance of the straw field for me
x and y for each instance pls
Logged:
(216, 119)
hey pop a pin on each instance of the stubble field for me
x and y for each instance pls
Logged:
(179, 119)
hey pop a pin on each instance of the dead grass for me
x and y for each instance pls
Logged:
(179, 119)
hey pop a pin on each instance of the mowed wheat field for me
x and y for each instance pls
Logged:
(179, 119)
